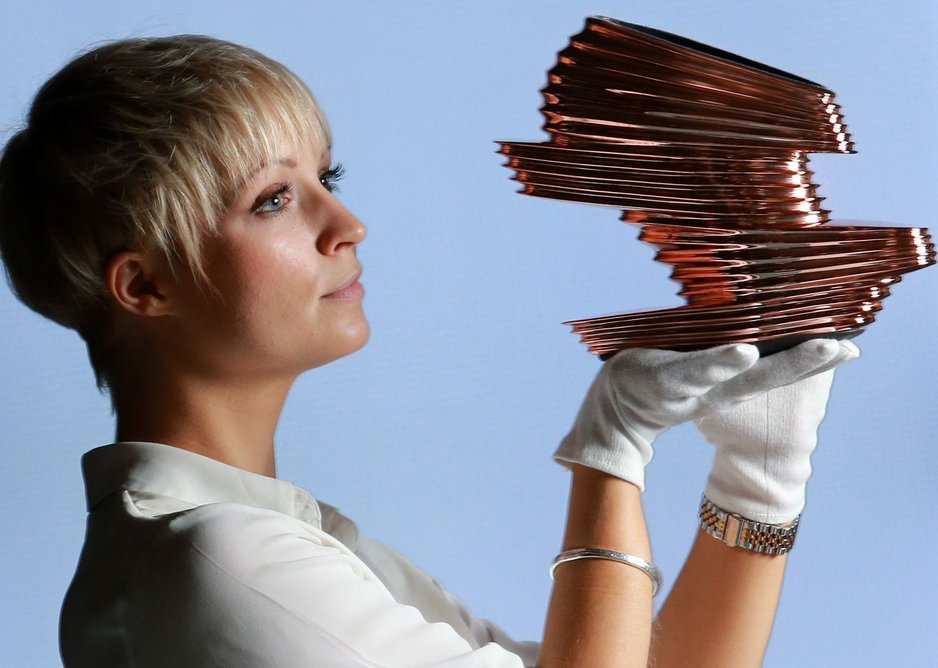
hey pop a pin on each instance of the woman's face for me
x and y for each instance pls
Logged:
(285, 267)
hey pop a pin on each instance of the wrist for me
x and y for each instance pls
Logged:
(736, 531)
(613, 453)
(605, 511)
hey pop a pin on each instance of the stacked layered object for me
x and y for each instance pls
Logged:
(708, 152)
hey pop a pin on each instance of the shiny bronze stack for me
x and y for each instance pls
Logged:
(707, 151)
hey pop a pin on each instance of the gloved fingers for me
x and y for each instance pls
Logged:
(783, 368)
(667, 373)
(845, 352)
(796, 360)
(848, 351)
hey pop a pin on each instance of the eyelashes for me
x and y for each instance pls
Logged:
(276, 199)
(331, 177)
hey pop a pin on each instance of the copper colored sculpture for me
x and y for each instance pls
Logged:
(707, 151)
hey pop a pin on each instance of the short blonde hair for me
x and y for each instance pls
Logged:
(140, 144)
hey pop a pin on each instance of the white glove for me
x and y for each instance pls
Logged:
(763, 447)
(641, 392)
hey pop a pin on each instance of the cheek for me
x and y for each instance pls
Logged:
(273, 283)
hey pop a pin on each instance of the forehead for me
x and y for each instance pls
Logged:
(279, 127)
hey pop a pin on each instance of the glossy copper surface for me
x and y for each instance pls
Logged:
(708, 152)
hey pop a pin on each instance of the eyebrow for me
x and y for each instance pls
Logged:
(286, 161)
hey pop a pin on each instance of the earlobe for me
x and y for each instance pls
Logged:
(135, 284)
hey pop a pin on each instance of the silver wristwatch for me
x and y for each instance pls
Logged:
(736, 531)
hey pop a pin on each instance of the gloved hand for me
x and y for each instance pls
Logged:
(763, 446)
(641, 392)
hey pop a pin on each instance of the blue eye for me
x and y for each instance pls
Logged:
(273, 202)
(331, 177)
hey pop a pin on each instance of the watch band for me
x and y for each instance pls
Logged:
(736, 531)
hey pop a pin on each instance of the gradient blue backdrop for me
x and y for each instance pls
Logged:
(436, 436)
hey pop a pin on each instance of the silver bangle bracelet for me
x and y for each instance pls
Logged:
(612, 555)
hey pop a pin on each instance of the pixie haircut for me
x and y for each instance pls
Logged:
(140, 144)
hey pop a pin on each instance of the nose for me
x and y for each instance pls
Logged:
(342, 229)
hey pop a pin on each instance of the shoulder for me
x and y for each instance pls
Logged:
(246, 577)
(235, 541)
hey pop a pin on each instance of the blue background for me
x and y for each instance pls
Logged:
(436, 437)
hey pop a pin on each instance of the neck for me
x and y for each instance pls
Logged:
(231, 420)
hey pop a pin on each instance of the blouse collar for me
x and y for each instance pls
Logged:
(183, 480)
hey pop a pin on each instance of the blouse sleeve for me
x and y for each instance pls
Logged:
(230, 585)
(410, 585)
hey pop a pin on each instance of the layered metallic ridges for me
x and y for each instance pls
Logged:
(708, 152)
(692, 185)
(621, 82)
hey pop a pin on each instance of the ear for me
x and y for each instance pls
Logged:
(137, 283)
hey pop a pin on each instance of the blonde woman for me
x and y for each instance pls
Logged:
(172, 200)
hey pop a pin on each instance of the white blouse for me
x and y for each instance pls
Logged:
(190, 562)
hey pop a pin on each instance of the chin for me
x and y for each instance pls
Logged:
(356, 336)
(344, 341)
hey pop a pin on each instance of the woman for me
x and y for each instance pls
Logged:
(172, 201)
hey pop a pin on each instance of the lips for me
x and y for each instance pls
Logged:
(350, 289)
